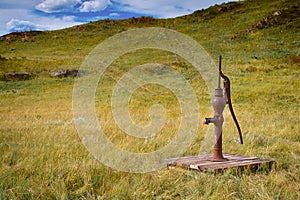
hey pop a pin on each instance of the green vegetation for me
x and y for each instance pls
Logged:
(41, 155)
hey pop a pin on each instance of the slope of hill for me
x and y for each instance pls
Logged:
(240, 30)
(41, 155)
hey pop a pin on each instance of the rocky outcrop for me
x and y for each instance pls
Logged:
(277, 18)
(23, 36)
(16, 76)
(267, 22)
(228, 6)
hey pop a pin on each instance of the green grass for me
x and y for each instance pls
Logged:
(42, 157)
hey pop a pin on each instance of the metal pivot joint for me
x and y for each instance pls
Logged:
(219, 102)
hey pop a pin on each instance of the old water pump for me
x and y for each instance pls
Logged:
(218, 161)
(219, 103)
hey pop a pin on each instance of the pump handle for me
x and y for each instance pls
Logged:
(227, 92)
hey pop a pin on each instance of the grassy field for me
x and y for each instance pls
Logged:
(41, 154)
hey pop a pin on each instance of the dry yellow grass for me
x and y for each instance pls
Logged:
(41, 154)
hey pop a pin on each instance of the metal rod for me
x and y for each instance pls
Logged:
(219, 76)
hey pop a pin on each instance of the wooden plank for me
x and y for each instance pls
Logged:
(235, 165)
(203, 163)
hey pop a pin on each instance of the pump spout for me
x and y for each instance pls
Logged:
(209, 120)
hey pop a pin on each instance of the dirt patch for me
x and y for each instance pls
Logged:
(294, 60)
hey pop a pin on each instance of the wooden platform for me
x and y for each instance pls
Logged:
(202, 162)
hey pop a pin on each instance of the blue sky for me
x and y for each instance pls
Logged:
(16, 15)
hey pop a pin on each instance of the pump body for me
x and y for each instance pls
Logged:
(219, 104)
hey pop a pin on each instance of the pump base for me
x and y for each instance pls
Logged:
(232, 161)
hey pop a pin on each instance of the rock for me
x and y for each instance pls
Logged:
(277, 13)
(72, 73)
(16, 76)
(58, 74)
(65, 73)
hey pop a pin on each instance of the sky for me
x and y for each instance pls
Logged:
(25, 15)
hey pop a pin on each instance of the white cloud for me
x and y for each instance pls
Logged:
(68, 18)
(10, 18)
(55, 6)
(159, 8)
(94, 5)
(53, 23)
(17, 4)
(164, 8)
(16, 25)
(114, 15)
(22, 20)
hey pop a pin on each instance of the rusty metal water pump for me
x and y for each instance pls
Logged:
(219, 103)
(218, 161)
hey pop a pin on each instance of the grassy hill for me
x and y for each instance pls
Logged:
(41, 155)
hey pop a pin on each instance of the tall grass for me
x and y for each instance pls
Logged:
(42, 157)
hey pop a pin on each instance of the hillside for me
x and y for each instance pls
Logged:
(41, 153)
(236, 30)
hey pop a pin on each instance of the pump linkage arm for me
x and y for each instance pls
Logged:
(228, 98)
